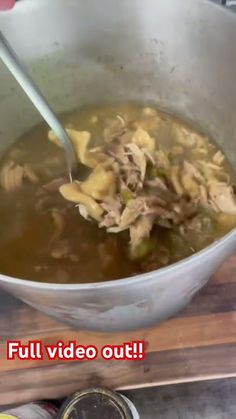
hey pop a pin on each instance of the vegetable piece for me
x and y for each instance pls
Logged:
(143, 249)
(126, 195)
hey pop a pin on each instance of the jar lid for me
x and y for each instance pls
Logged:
(95, 403)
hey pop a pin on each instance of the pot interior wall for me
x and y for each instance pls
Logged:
(181, 58)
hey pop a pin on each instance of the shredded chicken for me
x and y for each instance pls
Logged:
(114, 129)
(223, 198)
(140, 230)
(11, 176)
(139, 159)
(133, 209)
(218, 158)
(190, 185)
(175, 180)
(184, 137)
(112, 208)
(135, 183)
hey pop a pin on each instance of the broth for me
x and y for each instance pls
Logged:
(43, 237)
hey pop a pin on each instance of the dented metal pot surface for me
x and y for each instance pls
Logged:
(178, 55)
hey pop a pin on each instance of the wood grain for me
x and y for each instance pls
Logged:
(199, 343)
(161, 368)
(174, 334)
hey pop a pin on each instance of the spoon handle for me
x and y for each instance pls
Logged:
(14, 65)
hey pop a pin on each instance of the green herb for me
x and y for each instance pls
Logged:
(143, 249)
(126, 195)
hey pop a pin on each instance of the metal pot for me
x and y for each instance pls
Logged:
(179, 55)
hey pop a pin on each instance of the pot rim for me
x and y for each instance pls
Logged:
(123, 281)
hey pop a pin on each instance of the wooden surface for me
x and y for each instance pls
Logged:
(198, 344)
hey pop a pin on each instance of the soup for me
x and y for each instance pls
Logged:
(175, 185)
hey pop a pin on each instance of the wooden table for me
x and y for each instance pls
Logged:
(198, 344)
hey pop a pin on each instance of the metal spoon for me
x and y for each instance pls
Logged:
(13, 63)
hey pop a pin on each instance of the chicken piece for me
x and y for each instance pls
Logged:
(203, 196)
(175, 180)
(140, 230)
(11, 176)
(116, 230)
(213, 166)
(139, 159)
(112, 207)
(201, 149)
(184, 136)
(133, 209)
(162, 161)
(223, 198)
(72, 192)
(131, 176)
(119, 153)
(53, 138)
(177, 150)
(143, 140)
(207, 172)
(156, 183)
(100, 184)
(195, 224)
(193, 172)
(218, 158)
(191, 187)
(114, 128)
(83, 211)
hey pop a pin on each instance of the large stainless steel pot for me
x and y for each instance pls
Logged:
(180, 55)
